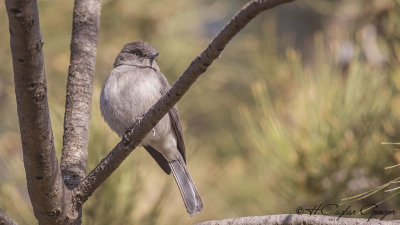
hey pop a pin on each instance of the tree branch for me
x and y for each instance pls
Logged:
(298, 219)
(85, 31)
(6, 220)
(105, 168)
(43, 175)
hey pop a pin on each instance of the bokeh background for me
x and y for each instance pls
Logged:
(292, 114)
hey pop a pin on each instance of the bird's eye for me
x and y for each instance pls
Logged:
(136, 52)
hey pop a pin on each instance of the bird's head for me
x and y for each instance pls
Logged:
(138, 53)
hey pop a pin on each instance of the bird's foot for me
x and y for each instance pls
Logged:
(154, 132)
(125, 137)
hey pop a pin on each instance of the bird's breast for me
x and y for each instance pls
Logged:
(127, 94)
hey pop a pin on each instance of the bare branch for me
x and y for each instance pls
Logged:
(151, 118)
(5, 220)
(86, 22)
(43, 175)
(298, 219)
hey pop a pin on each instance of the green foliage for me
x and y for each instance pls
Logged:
(271, 126)
(322, 143)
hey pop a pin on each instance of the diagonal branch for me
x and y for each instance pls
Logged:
(105, 168)
(85, 32)
(299, 219)
(43, 175)
(6, 220)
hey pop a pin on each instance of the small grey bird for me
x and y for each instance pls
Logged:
(132, 87)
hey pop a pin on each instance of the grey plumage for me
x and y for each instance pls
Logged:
(132, 87)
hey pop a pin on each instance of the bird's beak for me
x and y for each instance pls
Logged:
(153, 55)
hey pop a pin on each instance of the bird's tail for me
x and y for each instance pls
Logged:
(189, 193)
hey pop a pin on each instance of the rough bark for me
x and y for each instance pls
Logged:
(5, 220)
(45, 185)
(85, 31)
(291, 219)
(105, 168)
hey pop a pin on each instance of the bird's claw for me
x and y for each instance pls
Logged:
(125, 137)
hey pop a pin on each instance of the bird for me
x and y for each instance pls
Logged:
(132, 87)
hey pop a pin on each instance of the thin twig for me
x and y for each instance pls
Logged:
(5, 219)
(299, 219)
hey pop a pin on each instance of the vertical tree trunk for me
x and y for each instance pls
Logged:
(45, 185)
(85, 31)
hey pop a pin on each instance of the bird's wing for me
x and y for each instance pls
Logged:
(174, 117)
(176, 124)
(159, 158)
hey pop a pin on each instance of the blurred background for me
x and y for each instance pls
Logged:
(292, 114)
